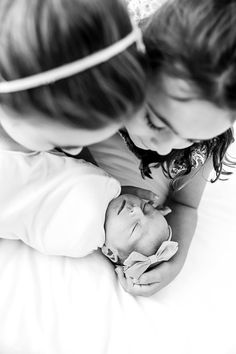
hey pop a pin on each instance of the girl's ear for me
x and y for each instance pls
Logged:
(165, 210)
(110, 253)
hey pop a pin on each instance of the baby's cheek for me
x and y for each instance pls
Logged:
(113, 232)
(145, 246)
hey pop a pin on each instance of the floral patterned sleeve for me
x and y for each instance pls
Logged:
(179, 162)
(141, 9)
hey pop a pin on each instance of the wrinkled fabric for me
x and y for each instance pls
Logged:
(53, 203)
(136, 264)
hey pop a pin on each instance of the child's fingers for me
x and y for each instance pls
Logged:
(145, 290)
(154, 203)
(149, 195)
(136, 289)
(165, 210)
(153, 276)
(142, 193)
(121, 276)
(126, 284)
(119, 272)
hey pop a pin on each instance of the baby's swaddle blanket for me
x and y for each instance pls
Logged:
(53, 203)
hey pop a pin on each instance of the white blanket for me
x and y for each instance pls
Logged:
(56, 305)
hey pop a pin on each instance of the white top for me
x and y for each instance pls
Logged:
(54, 203)
(113, 156)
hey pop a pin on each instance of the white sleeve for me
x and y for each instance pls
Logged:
(113, 156)
(56, 205)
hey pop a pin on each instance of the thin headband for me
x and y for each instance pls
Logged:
(75, 67)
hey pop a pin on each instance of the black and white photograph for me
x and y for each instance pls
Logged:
(117, 177)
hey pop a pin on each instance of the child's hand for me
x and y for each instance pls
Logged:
(141, 193)
(154, 280)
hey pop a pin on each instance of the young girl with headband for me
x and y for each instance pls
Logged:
(71, 73)
(185, 128)
(67, 77)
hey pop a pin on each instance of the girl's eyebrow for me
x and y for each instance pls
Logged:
(161, 118)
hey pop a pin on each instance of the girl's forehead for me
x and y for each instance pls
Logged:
(173, 87)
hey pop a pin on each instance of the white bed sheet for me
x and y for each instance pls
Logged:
(56, 305)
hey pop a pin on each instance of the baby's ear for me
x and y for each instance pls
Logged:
(110, 253)
(165, 210)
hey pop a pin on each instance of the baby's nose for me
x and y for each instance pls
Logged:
(135, 210)
(148, 208)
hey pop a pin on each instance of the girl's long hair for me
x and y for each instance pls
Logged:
(39, 35)
(181, 162)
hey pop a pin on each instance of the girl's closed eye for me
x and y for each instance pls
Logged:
(150, 123)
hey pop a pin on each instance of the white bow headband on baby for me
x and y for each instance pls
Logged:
(137, 264)
(75, 67)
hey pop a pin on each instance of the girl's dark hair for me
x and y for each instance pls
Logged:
(181, 162)
(195, 40)
(38, 35)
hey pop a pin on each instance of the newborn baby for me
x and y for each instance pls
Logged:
(78, 209)
(137, 235)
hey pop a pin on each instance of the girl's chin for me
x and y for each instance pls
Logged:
(139, 143)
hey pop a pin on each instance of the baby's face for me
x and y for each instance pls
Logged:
(134, 224)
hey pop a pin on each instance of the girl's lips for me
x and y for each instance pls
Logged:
(143, 146)
(137, 140)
